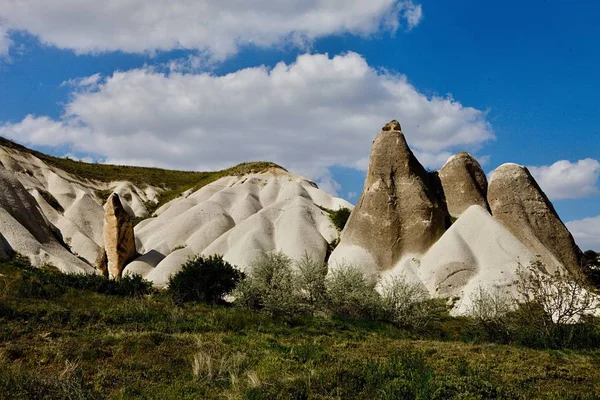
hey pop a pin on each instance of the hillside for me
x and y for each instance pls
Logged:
(240, 212)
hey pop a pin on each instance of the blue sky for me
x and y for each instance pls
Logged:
(310, 84)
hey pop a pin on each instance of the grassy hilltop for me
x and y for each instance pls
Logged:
(172, 181)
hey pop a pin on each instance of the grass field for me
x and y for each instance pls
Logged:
(79, 344)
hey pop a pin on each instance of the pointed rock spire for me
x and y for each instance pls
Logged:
(464, 184)
(119, 239)
(519, 203)
(397, 213)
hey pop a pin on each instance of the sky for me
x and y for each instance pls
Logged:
(204, 85)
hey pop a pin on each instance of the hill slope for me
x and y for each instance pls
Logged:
(69, 197)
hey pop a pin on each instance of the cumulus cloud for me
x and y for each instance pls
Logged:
(567, 180)
(586, 232)
(215, 27)
(311, 114)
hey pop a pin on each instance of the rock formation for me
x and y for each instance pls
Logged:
(476, 252)
(519, 203)
(25, 229)
(5, 250)
(397, 213)
(119, 240)
(464, 184)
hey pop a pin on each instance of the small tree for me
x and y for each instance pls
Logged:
(564, 297)
(352, 294)
(491, 311)
(590, 262)
(409, 305)
(310, 280)
(205, 280)
(270, 286)
(554, 307)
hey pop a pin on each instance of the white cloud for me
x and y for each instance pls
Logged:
(567, 180)
(5, 43)
(215, 27)
(586, 232)
(87, 83)
(314, 113)
(413, 14)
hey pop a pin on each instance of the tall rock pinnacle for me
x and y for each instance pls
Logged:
(519, 203)
(464, 184)
(397, 213)
(119, 240)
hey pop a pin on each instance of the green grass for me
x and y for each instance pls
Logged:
(81, 344)
(173, 182)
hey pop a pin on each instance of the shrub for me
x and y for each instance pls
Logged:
(310, 281)
(127, 286)
(552, 311)
(271, 286)
(554, 307)
(352, 294)
(48, 282)
(340, 217)
(205, 280)
(491, 312)
(408, 305)
(590, 263)
(563, 297)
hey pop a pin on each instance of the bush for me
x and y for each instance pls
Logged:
(352, 294)
(48, 282)
(556, 306)
(271, 286)
(340, 217)
(310, 280)
(205, 280)
(408, 305)
(590, 262)
(552, 311)
(492, 313)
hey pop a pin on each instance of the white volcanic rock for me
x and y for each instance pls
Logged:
(28, 232)
(5, 250)
(70, 204)
(477, 251)
(240, 218)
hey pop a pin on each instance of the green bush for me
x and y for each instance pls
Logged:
(340, 217)
(310, 281)
(271, 286)
(48, 282)
(551, 311)
(352, 294)
(408, 305)
(128, 285)
(206, 280)
(590, 262)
